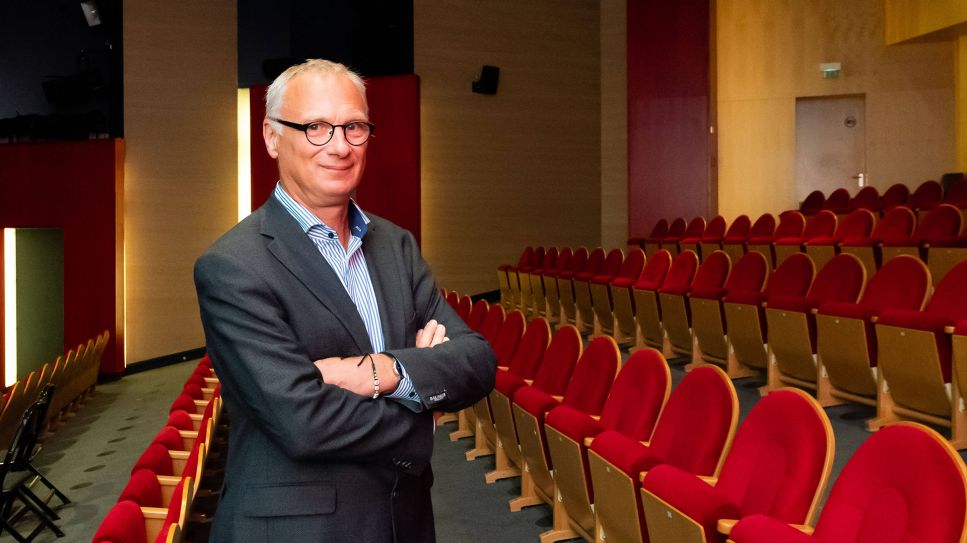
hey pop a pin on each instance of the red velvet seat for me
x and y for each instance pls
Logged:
(867, 198)
(181, 420)
(693, 234)
(733, 243)
(637, 396)
(523, 366)
(124, 523)
(778, 466)
(552, 309)
(587, 391)
(927, 195)
(791, 225)
(942, 225)
(896, 195)
(838, 202)
(524, 278)
(464, 306)
(846, 341)
(903, 484)
(508, 281)
(453, 299)
(820, 225)
(676, 314)
(653, 241)
(713, 237)
(552, 376)
(915, 357)
(538, 305)
(648, 310)
(792, 322)
(144, 489)
(959, 356)
(619, 322)
(693, 432)
(897, 223)
(491, 325)
(812, 203)
(584, 314)
(565, 285)
(508, 338)
(857, 225)
(709, 324)
(478, 314)
(676, 231)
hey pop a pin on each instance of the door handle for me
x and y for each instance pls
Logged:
(861, 179)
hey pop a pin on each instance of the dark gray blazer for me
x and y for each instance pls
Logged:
(309, 461)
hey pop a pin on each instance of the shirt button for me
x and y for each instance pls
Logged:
(331, 235)
(396, 494)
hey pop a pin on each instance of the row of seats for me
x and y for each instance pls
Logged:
(74, 376)
(177, 477)
(927, 196)
(806, 324)
(937, 238)
(30, 411)
(620, 457)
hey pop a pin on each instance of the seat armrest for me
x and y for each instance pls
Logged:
(587, 441)
(598, 417)
(154, 512)
(530, 382)
(814, 311)
(948, 329)
(874, 318)
(558, 398)
(725, 525)
(804, 528)
(709, 479)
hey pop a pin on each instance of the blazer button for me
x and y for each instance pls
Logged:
(396, 494)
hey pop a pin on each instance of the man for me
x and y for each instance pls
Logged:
(332, 343)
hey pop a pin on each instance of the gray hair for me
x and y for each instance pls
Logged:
(276, 91)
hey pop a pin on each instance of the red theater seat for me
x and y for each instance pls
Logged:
(733, 243)
(847, 345)
(915, 357)
(676, 316)
(586, 392)
(637, 396)
(813, 203)
(619, 321)
(778, 466)
(896, 195)
(653, 241)
(693, 432)
(648, 311)
(858, 224)
(792, 323)
(903, 484)
(820, 225)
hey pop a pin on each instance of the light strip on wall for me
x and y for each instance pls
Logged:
(10, 305)
(244, 155)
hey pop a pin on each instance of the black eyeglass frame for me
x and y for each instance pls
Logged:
(304, 128)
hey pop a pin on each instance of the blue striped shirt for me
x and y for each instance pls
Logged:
(350, 267)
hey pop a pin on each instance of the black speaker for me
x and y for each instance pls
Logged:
(487, 84)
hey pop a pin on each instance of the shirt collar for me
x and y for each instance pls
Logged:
(358, 220)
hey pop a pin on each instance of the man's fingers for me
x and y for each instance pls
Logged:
(438, 334)
(420, 342)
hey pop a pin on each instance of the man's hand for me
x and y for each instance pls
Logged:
(357, 378)
(431, 335)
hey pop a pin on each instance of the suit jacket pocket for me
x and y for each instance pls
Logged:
(290, 499)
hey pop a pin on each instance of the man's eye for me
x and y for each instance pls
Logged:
(314, 127)
(352, 127)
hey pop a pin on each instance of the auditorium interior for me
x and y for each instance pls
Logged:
(719, 249)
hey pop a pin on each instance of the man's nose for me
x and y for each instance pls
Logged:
(338, 145)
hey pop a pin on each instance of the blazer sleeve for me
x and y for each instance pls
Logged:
(273, 379)
(455, 374)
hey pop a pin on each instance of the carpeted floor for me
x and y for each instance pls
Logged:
(91, 455)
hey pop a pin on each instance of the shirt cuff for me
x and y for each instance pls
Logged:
(405, 392)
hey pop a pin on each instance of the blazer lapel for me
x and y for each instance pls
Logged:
(293, 248)
(387, 285)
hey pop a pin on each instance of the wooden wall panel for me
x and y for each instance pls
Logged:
(768, 54)
(180, 94)
(614, 123)
(907, 19)
(518, 168)
(668, 112)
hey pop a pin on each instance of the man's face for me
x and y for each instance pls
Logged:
(318, 176)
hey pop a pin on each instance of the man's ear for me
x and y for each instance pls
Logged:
(271, 138)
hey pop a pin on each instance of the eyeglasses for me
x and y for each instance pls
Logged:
(320, 133)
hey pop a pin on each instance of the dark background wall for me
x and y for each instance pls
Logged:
(374, 37)
(49, 41)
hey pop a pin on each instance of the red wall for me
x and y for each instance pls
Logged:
(669, 145)
(391, 184)
(76, 186)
